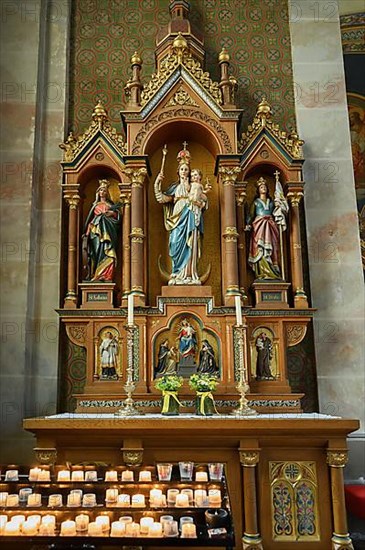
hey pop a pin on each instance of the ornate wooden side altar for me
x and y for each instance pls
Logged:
(284, 471)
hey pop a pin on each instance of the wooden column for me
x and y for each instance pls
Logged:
(242, 260)
(72, 198)
(251, 539)
(228, 172)
(294, 195)
(126, 245)
(337, 460)
(137, 172)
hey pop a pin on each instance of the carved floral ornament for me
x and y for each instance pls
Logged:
(249, 459)
(337, 459)
(262, 119)
(77, 334)
(100, 123)
(181, 97)
(295, 334)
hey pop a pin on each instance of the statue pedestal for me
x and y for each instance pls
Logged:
(97, 295)
(271, 295)
(183, 291)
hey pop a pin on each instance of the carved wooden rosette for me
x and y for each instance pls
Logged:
(337, 460)
(295, 333)
(249, 458)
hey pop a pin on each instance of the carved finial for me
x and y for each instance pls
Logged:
(180, 45)
(136, 59)
(224, 56)
(263, 110)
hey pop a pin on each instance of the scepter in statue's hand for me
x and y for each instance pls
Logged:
(164, 154)
(157, 187)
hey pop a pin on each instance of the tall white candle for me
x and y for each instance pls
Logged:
(130, 320)
(237, 301)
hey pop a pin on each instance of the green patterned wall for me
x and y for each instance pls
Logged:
(105, 34)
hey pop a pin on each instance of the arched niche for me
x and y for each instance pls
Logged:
(203, 147)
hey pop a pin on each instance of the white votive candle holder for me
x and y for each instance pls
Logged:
(155, 530)
(11, 475)
(82, 522)
(29, 528)
(12, 529)
(89, 500)
(3, 498)
(49, 519)
(190, 494)
(12, 501)
(111, 496)
(214, 498)
(171, 529)
(132, 529)
(3, 522)
(201, 476)
(46, 530)
(73, 500)
(68, 528)
(138, 501)
(117, 529)
(123, 501)
(126, 519)
(200, 497)
(127, 475)
(77, 475)
(64, 475)
(188, 531)
(104, 521)
(24, 493)
(54, 501)
(18, 518)
(182, 501)
(112, 475)
(34, 499)
(145, 475)
(33, 474)
(171, 496)
(35, 518)
(91, 475)
(145, 524)
(44, 475)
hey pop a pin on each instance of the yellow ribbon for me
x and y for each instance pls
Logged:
(203, 396)
(166, 400)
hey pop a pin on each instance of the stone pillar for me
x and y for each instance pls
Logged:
(337, 460)
(72, 198)
(251, 539)
(137, 172)
(294, 195)
(228, 172)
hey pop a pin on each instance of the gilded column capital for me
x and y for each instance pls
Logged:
(337, 459)
(125, 198)
(229, 174)
(136, 175)
(137, 235)
(46, 455)
(295, 197)
(73, 200)
(230, 234)
(249, 459)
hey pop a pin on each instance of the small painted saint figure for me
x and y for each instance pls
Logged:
(109, 357)
(167, 359)
(207, 361)
(264, 349)
(187, 343)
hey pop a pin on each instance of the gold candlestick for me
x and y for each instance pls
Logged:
(129, 408)
(242, 386)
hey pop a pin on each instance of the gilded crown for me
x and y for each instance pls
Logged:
(183, 156)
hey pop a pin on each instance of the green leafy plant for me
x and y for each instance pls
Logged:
(203, 382)
(169, 382)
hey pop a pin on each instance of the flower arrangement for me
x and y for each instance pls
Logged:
(203, 382)
(169, 382)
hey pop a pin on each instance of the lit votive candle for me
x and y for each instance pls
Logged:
(145, 475)
(188, 531)
(200, 496)
(11, 475)
(214, 498)
(3, 521)
(89, 499)
(94, 529)
(24, 493)
(82, 521)
(132, 529)
(138, 501)
(171, 496)
(3, 497)
(104, 521)
(145, 524)
(112, 475)
(29, 528)
(201, 476)
(34, 499)
(12, 501)
(117, 529)
(127, 475)
(123, 501)
(190, 494)
(19, 518)
(64, 475)
(91, 475)
(155, 494)
(54, 501)
(68, 528)
(12, 529)
(74, 499)
(48, 519)
(77, 475)
(111, 496)
(33, 474)
(44, 475)
(46, 529)
(155, 529)
(35, 518)
(182, 501)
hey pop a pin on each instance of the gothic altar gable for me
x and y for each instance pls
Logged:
(195, 226)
